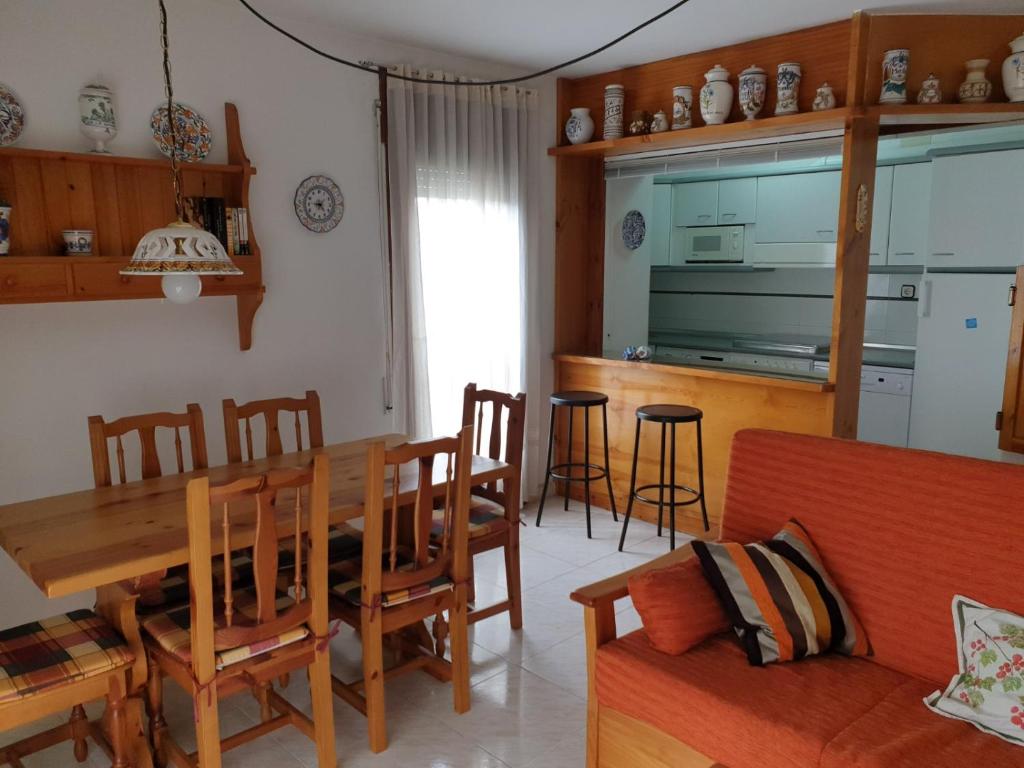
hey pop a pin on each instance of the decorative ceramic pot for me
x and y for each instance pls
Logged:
(614, 104)
(824, 98)
(12, 116)
(659, 122)
(5, 229)
(931, 92)
(639, 124)
(753, 85)
(682, 107)
(1013, 71)
(895, 66)
(787, 83)
(580, 127)
(716, 96)
(77, 242)
(98, 122)
(976, 88)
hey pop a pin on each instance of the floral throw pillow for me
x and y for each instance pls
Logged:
(989, 691)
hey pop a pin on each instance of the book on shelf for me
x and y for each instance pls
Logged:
(228, 224)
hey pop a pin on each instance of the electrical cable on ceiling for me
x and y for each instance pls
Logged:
(478, 83)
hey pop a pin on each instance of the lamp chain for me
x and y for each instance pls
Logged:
(179, 202)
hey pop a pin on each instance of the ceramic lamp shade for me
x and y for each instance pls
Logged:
(180, 249)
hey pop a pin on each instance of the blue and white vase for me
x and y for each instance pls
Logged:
(614, 108)
(98, 121)
(787, 86)
(5, 229)
(1013, 71)
(580, 127)
(753, 86)
(895, 66)
(716, 96)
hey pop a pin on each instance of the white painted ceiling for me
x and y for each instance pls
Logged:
(532, 34)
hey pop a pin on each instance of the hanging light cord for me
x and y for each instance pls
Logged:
(179, 202)
(411, 79)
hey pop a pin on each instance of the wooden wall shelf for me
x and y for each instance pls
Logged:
(120, 199)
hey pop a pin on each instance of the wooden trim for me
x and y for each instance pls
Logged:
(1011, 432)
(625, 742)
(616, 587)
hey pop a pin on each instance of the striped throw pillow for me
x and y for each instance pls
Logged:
(780, 599)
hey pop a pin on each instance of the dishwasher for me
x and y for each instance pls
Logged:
(884, 413)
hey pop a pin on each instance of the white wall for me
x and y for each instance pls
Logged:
(627, 273)
(321, 324)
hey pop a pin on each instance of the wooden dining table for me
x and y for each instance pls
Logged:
(119, 539)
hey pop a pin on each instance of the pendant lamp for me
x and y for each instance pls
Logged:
(179, 253)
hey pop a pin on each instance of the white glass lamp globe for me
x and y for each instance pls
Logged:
(181, 289)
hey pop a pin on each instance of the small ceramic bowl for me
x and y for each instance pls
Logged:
(77, 242)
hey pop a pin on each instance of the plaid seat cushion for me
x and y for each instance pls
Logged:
(342, 584)
(170, 629)
(485, 517)
(63, 649)
(343, 543)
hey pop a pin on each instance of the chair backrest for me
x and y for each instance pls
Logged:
(504, 411)
(249, 513)
(270, 410)
(399, 557)
(146, 425)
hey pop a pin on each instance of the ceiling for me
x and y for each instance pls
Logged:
(532, 34)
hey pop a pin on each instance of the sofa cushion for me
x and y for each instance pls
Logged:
(780, 599)
(899, 732)
(900, 531)
(677, 607)
(778, 716)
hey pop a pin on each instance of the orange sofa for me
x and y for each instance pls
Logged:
(901, 532)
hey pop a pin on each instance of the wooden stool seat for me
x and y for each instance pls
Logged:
(579, 398)
(669, 414)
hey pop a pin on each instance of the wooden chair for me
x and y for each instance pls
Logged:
(240, 640)
(56, 665)
(270, 410)
(401, 580)
(146, 426)
(494, 508)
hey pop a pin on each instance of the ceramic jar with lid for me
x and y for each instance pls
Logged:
(580, 127)
(787, 84)
(753, 86)
(824, 98)
(976, 88)
(716, 96)
(96, 111)
(1013, 71)
(931, 92)
(659, 123)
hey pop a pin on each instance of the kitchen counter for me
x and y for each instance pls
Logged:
(808, 382)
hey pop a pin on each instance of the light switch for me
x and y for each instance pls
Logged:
(908, 291)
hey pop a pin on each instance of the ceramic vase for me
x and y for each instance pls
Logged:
(682, 107)
(1013, 71)
(614, 104)
(787, 84)
(5, 229)
(824, 98)
(931, 92)
(659, 123)
(716, 96)
(753, 86)
(580, 127)
(895, 65)
(976, 88)
(98, 122)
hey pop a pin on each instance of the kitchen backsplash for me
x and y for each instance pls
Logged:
(785, 301)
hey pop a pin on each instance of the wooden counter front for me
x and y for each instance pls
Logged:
(730, 401)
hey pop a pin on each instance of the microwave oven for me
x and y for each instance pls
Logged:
(713, 245)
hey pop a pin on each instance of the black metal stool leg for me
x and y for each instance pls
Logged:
(568, 470)
(632, 487)
(547, 472)
(672, 497)
(608, 463)
(661, 481)
(700, 477)
(586, 465)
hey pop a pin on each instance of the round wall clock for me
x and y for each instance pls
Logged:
(319, 204)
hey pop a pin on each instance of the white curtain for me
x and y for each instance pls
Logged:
(464, 161)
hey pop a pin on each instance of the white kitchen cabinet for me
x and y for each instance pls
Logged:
(695, 204)
(908, 221)
(798, 208)
(880, 209)
(660, 227)
(976, 205)
(737, 201)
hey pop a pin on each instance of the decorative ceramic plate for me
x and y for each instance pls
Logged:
(634, 230)
(193, 132)
(12, 117)
(319, 204)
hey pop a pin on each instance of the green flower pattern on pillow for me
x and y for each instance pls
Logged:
(995, 666)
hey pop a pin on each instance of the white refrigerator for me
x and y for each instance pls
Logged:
(962, 337)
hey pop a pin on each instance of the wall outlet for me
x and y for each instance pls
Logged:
(907, 291)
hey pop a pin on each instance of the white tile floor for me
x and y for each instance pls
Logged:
(529, 687)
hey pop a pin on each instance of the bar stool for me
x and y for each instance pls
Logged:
(666, 415)
(591, 472)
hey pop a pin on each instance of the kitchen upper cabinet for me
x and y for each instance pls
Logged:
(798, 208)
(908, 222)
(660, 227)
(737, 201)
(695, 204)
(976, 206)
(880, 214)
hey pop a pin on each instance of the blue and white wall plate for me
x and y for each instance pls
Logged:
(634, 230)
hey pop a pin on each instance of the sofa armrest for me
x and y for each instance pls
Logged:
(617, 587)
